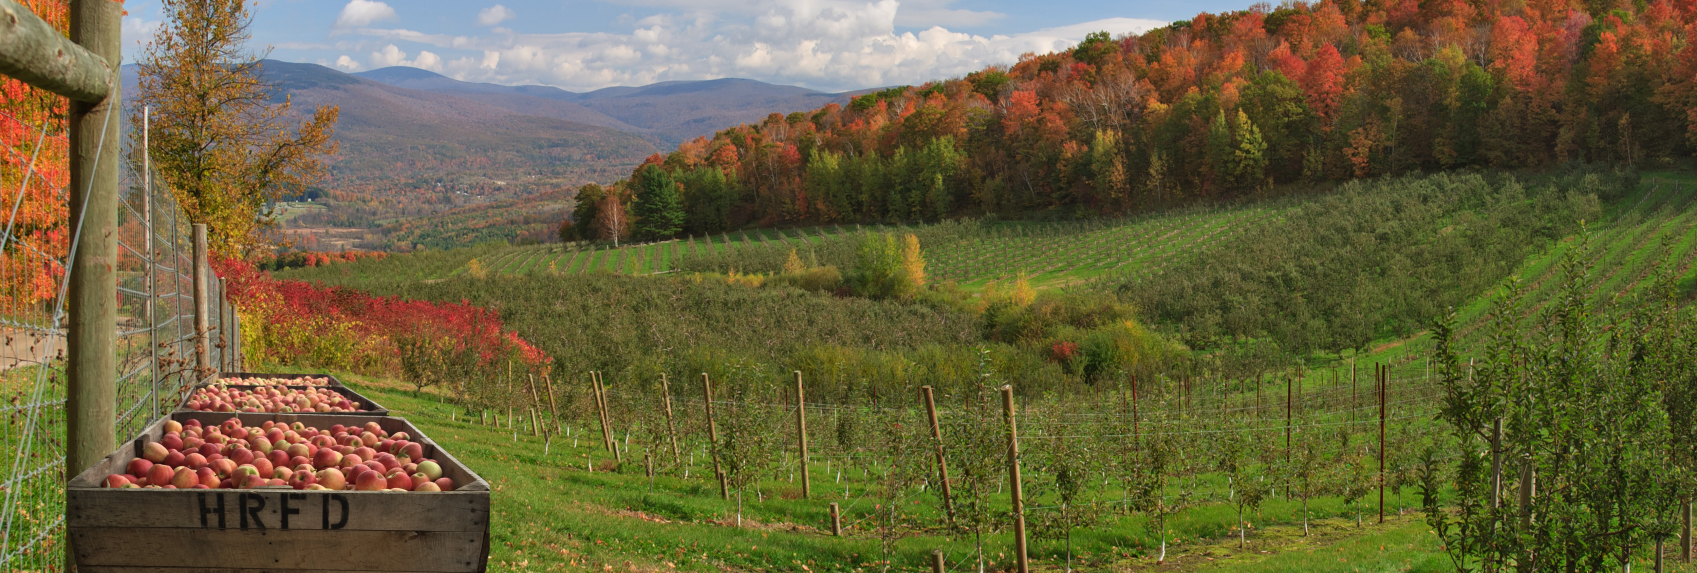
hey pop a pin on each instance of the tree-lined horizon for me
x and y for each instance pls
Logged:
(1220, 106)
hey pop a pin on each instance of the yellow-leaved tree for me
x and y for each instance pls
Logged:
(216, 138)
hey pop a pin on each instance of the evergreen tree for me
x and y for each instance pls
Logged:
(588, 207)
(659, 212)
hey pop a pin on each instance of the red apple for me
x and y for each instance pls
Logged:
(261, 444)
(160, 474)
(209, 448)
(299, 480)
(241, 456)
(282, 473)
(373, 427)
(194, 460)
(447, 484)
(401, 436)
(365, 453)
(278, 457)
(298, 450)
(253, 481)
(174, 459)
(208, 477)
(370, 481)
(350, 460)
(331, 478)
(411, 468)
(171, 442)
(224, 467)
(300, 460)
(264, 466)
(326, 458)
(155, 452)
(427, 486)
(138, 467)
(173, 427)
(185, 478)
(191, 424)
(413, 450)
(116, 481)
(399, 479)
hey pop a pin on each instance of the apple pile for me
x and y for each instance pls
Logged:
(230, 456)
(221, 398)
(303, 381)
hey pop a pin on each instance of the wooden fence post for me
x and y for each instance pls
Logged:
(801, 434)
(1017, 487)
(713, 435)
(91, 310)
(938, 564)
(836, 521)
(671, 429)
(942, 463)
(202, 322)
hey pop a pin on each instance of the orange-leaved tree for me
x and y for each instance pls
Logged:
(217, 140)
(34, 171)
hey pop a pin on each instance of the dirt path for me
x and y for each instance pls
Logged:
(20, 347)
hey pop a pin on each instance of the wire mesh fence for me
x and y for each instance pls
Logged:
(155, 330)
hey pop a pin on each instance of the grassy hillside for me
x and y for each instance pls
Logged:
(1309, 427)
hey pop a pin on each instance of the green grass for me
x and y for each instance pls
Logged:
(552, 513)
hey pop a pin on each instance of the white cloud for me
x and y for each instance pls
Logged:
(346, 63)
(363, 12)
(823, 44)
(494, 15)
(391, 55)
(137, 29)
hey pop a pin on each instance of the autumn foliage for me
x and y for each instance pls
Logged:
(1224, 105)
(36, 161)
(304, 324)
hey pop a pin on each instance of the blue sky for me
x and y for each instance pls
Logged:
(831, 45)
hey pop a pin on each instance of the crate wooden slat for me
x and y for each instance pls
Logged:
(372, 408)
(440, 551)
(179, 531)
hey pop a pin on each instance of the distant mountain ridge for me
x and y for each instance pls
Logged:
(415, 144)
(672, 111)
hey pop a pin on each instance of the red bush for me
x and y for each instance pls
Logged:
(306, 324)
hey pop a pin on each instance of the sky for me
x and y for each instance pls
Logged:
(581, 45)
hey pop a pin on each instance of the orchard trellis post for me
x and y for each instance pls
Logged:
(1384, 384)
(1016, 486)
(713, 435)
(942, 463)
(671, 428)
(801, 434)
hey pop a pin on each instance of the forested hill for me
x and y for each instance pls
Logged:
(1220, 106)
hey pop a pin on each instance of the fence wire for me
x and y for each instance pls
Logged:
(154, 330)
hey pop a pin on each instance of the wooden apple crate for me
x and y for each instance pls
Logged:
(277, 529)
(371, 407)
